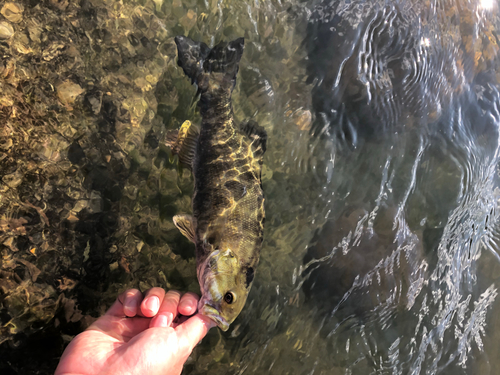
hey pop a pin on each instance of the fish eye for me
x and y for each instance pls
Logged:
(229, 298)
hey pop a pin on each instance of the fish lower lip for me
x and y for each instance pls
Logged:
(213, 314)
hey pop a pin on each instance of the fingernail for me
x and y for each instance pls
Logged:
(153, 304)
(170, 318)
(188, 305)
(164, 320)
(129, 309)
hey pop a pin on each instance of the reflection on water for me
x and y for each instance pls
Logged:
(381, 181)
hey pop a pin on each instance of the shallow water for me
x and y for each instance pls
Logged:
(381, 251)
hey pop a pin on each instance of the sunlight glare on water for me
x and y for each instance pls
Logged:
(487, 4)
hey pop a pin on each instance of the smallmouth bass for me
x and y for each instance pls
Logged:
(227, 224)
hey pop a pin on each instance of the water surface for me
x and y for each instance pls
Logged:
(381, 240)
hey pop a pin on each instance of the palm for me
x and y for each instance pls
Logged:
(152, 344)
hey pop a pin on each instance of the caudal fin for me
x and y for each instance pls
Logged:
(198, 61)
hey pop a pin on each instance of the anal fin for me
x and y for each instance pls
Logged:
(183, 142)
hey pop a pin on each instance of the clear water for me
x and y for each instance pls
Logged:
(381, 251)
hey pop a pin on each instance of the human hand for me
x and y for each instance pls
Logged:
(148, 334)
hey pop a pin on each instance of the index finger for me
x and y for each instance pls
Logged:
(126, 304)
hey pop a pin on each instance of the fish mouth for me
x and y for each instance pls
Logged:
(213, 314)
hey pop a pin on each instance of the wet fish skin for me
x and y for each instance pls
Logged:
(227, 225)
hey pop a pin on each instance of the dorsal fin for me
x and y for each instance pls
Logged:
(183, 142)
(257, 135)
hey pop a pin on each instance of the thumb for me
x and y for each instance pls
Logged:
(193, 330)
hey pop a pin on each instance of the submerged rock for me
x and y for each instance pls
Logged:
(13, 12)
(6, 30)
(68, 92)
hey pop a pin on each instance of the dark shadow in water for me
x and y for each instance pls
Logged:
(83, 256)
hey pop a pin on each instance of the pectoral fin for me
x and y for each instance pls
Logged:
(183, 142)
(185, 224)
(257, 135)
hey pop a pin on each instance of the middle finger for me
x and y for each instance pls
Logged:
(167, 311)
(151, 303)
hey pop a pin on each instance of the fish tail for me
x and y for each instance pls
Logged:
(199, 62)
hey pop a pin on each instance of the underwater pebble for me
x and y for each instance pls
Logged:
(95, 204)
(21, 45)
(13, 12)
(142, 84)
(54, 50)
(189, 20)
(158, 4)
(6, 102)
(113, 266)
(13, 180)
(267, 173)
(95, 103)
(6, 144)
(35, 31)
(139, 246)
(68, 91)
(9, 243)
(6, 30)
(80, 205)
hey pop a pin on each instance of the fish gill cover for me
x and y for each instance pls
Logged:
(381, 179)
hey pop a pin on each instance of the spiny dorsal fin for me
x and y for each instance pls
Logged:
(257, 135)
(185, 224)
(183, 142)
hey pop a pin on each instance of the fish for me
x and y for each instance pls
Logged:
(226, 159)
